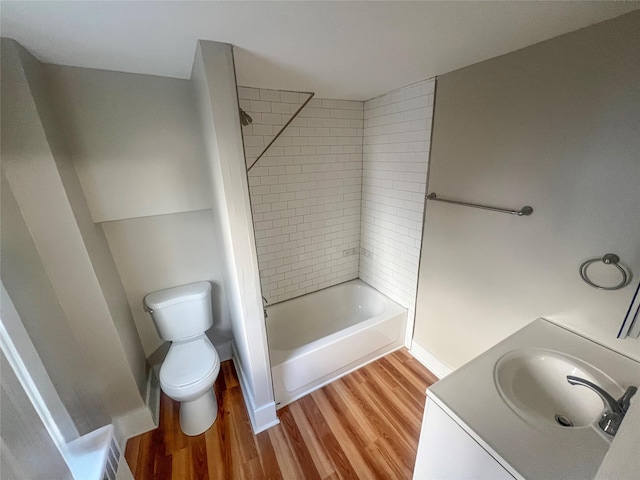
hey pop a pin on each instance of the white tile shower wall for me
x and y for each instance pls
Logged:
(397, 131)
(270, 110)
(306, 193)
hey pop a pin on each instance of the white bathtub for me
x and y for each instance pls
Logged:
(324, 335)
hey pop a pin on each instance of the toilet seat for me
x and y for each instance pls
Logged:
(188, 367)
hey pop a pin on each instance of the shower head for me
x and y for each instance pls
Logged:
(245, 118)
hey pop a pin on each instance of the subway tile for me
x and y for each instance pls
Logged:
(428, 87)
(258, 106)
(254, 141)
(292, 151)
(323, 173)
(252, 152)
(291, 97)
(299, 121)
(396, 140)
(284, 161)
(414, 91)
(273, 119)
(283, 222)
(291, 131)
(247, 93)
(261, 129)
(269, 95)
(308, 150)
(283, 141)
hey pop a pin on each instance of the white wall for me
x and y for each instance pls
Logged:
(397, 130)
(92, 234)
(38, 186)
(27, 452)
(161, 251)
(135, 141)
(305, 193)
(214, 82)
(554, 126)
(26, 279)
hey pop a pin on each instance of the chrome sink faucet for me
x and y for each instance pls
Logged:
(616, 409)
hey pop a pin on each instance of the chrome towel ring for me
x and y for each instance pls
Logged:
(608, 259)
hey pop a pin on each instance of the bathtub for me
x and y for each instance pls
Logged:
(319, 337)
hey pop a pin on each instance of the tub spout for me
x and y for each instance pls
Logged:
(264, 303)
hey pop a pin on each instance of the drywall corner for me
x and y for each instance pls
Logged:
(215, 88)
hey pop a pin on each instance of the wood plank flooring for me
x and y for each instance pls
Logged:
(365, 425)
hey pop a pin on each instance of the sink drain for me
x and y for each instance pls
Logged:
(564, 421)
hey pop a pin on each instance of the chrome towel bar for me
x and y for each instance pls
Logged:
(524, 211)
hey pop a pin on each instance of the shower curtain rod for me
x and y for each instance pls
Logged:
(284, 127)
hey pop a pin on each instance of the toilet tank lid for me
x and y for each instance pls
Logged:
(184, 293)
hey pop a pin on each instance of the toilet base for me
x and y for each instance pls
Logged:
(198, 415)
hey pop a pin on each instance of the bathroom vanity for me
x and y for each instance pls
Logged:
(511, 413)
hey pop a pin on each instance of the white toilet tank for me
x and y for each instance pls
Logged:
(181, 312)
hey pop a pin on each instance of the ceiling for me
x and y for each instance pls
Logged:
(346, 50)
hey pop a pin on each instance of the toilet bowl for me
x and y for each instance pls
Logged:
(187, 376)
(182, 315)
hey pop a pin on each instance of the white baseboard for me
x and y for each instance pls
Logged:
(265, 418)
(153, 394)
(124, 472)
(262, 417)
(225, 352)
(133, 423)
(426, 358)
(142, 419)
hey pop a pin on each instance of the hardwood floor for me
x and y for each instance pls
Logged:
(365, 425)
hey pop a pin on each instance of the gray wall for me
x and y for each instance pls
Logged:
(554, 126)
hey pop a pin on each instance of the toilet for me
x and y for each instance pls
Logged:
(182, 315)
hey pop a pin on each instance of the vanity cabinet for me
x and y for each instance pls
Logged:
(447, 451)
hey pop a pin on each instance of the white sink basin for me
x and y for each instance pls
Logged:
(533, 383)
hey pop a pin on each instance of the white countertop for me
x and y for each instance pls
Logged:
(622, 462)
(471, 397)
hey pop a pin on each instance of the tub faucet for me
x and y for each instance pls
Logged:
(616, 409)
(264, 306)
